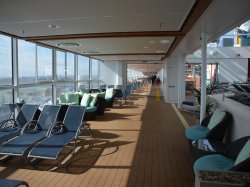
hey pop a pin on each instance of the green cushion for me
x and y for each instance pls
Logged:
(62, 98)
(196, 132)
(244, 153)
(90, 109)
(213, 162)
(216, 118)
(85, 100)
(109, 93)
(93, 99)
(73, 99)
(83, 90)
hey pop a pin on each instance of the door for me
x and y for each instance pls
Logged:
(172, 87)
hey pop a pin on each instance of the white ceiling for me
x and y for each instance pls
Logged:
(130, 30)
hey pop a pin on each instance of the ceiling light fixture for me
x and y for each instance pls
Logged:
(54, 26)
(145, 47)
(164, 41)
(68, 44)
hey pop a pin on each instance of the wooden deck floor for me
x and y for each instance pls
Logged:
(141, 143)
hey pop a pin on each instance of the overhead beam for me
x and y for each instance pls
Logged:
(107, 35)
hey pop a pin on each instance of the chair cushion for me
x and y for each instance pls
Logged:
(73, 99)
(109, 93)
(216, 118)
(62, 98)
(244, 153)
(85, 100)
(90, 109)
(196, 132)
(214, 162)
(93, 99)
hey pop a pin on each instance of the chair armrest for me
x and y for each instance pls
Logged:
(235, 147)
(57, 126)
(31, 125)
(6, 122)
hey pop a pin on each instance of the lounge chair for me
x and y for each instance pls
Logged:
(11, 128)
(6, 112)
(12, 183)
(212, 127)
(236, 157)
(32, 132)
(71, 126)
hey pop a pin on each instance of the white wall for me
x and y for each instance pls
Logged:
(111, 73)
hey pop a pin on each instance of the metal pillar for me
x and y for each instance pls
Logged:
(203, 76)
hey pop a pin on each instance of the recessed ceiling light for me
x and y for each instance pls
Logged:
(159, 51)
(54, 26)
(145, 47)
(164, 41)
(68, 44)
(152, 41)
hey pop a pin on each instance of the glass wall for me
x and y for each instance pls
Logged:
(5, 61)
(44, 64)
(34, 64)
(94, 74)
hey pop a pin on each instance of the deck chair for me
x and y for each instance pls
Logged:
(6, 112)
(11, 128)
(12, 183)
(51, 147)
(32, 132)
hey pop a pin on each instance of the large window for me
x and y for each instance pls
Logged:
(6, 96)
(83, 68)
(60, 65)
(44, 63)
(94, 69)
(26, 62)
(36, 95)
(70, 66)
(5, 61)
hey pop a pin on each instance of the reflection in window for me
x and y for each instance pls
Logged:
(83, 68)
(26, 62)
(5, 60)
(36, 95)
(60, 65)
(6, 96)
(94, 69)
(70, 66)
(44, 63)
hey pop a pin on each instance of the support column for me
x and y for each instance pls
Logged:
(203, 76)
(181, 80)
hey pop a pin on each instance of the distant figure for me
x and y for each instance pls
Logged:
(153, 79)
(158, 81)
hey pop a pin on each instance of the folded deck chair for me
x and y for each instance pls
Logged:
(12, 128)
(6, 112)
(32, 132)
(51, 147)
(12, 183)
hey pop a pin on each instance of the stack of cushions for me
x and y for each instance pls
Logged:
(229, 160)
(68, 99)
(89, 102)
(197, 132)
(109, 94)
(109, 97)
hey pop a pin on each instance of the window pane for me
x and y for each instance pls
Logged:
(83, 85)
(94, 85)
(36, 95)
(83, 68)
(6, 96)
(60, 65)
(5, 60)
(95, 69)
(70, 66)
(44, 63)
(26, 62)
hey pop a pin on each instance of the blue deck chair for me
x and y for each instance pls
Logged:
(12, 183)
(32, 132)
(6, 112)
(12, 128)
(51, 147)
